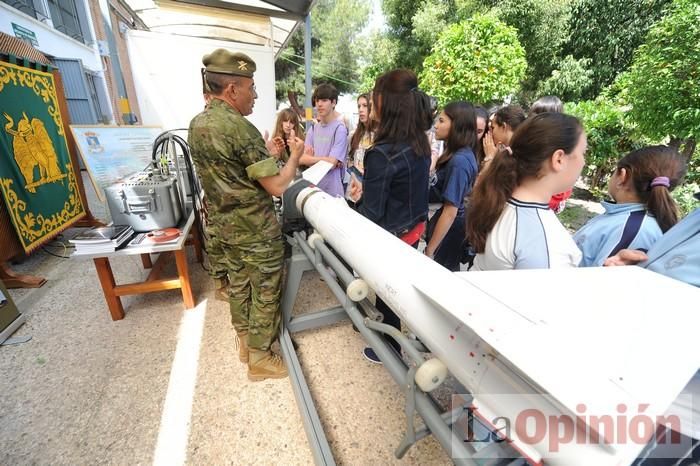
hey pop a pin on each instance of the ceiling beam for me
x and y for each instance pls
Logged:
(245, 8)
(299, 7)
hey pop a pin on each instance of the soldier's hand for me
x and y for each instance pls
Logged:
(271, 146)
(296, 145)
(279, 144)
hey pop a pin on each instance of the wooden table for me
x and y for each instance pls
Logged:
(153, 283)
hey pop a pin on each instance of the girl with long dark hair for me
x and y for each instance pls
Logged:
(503, 124)
(455, 175)
(287, 120)
(394, 190)
(363, 136)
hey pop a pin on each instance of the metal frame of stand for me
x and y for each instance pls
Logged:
(317, 256)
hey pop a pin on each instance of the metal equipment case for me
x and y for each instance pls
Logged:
(146, 201)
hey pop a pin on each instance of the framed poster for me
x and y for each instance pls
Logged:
(112, 153)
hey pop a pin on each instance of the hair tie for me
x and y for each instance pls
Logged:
(660, 181)
(413, 89)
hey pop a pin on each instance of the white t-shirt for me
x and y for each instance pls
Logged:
(528, 235)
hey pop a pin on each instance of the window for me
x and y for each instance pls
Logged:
(65, 18)
(28, 7)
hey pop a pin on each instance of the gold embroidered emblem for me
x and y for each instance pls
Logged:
(33, 147)
(243, 66)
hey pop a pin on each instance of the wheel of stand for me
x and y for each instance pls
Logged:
(312, 239)
(431, 374)
(357, 290)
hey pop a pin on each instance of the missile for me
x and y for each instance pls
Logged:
(572, 367)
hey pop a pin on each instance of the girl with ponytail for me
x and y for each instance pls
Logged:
(510, 224)
(643, 208)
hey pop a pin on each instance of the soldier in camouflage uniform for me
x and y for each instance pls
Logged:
(239, 176)
(217, 270)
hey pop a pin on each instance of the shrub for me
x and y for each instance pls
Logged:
(683, 195)
(479, 60)
(610, 136)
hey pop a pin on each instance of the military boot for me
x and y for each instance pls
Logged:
(265, 365)
(241, 344)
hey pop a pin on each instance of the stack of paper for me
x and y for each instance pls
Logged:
(101, 239)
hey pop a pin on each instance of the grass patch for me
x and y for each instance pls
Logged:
(574, 216)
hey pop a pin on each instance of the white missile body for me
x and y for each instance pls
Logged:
(596, 341)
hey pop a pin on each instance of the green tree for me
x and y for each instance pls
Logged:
(542, 30)
(607, 32)
(413, 29)
(399, 15)
(335, 28)
(569, 81)
(610, 134)
(377, 57)
(479, 59)
(430, 19)
(467, 8)
(414, 25)
(663, 84)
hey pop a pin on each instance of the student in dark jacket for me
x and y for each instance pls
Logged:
(394, 190)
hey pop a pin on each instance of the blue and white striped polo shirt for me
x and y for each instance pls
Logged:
(622, 226)
(528, 235)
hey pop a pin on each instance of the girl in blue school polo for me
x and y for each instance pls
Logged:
(456, 171)
(643, 208)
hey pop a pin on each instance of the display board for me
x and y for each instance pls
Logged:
(113, 153)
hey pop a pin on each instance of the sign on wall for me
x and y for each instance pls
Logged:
(25, 34)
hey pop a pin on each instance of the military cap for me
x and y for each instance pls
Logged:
(223, 61)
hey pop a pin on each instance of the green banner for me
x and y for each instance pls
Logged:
(36, 177)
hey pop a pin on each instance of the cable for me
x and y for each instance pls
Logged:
(165, 139)
(318, 73)
(43, 248)
(319, 62)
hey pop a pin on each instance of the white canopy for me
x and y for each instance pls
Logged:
(256, 22)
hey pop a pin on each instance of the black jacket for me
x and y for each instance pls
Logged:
(395, 187)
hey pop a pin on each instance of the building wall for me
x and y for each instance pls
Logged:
(56, 44)
(100, 35)
(122, 102)
(51, 41)
(122, 22)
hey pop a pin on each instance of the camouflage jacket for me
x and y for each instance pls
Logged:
(230, 155)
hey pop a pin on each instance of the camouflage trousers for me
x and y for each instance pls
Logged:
(255, 282)
(216, 257)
